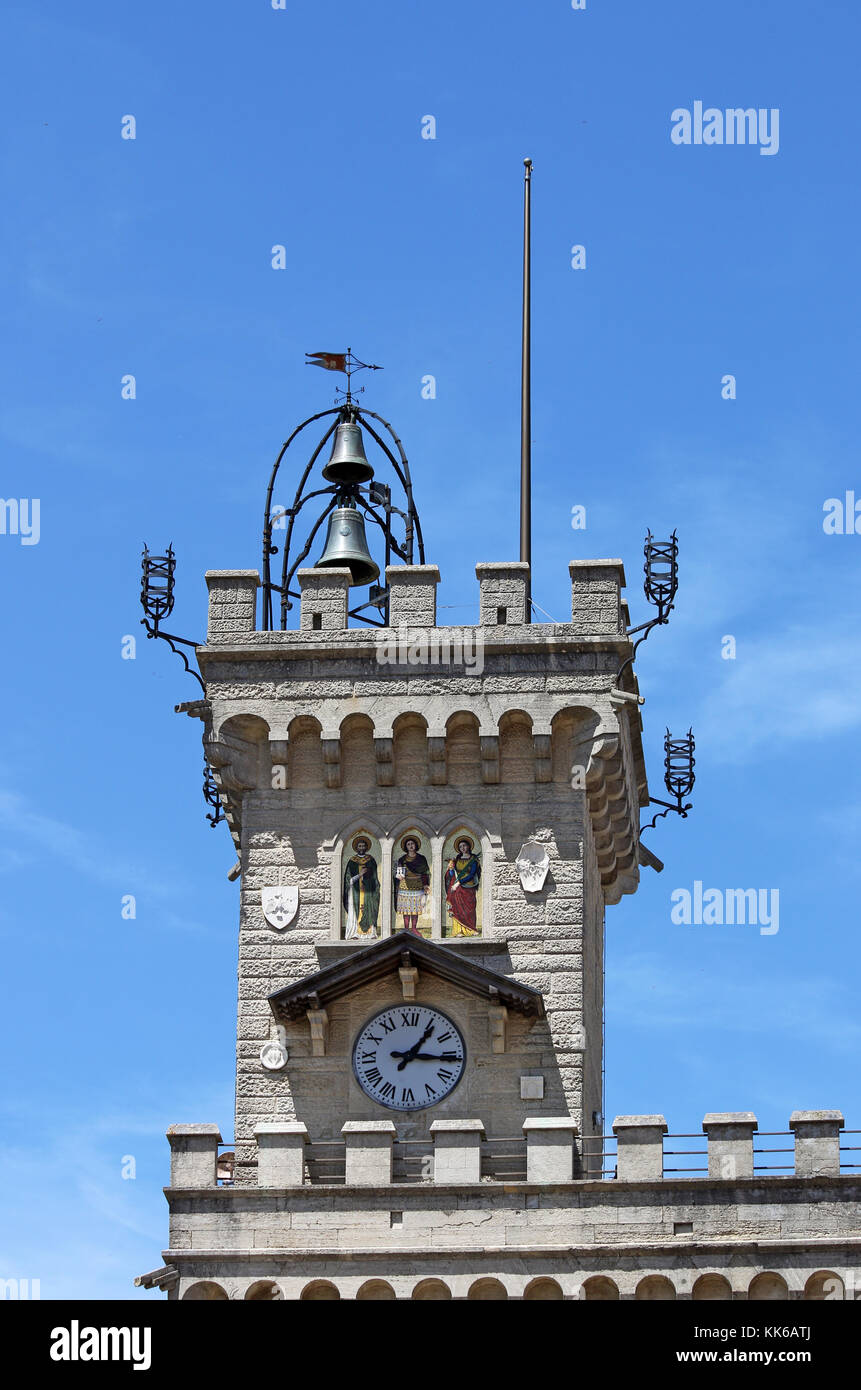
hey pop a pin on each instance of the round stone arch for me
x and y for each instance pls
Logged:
(320, 1291)
(574, 742)
(463, 749)
(487, 1290)
(431, 1289)
(305, 753)
(768, 1286)
(206, 1291)
(358, 755)
(543, 1288)
(377, 1290)
(824, 1284)
(264, 1291)
(655, 1287)
(238, 752)
(712, 1286)
(516, 748)
(409, 750)
(600, 1289)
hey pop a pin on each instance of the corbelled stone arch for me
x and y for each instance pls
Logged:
(824, 1284)
(600, 1289)
(712, 1287)
(431, 1289)
(263, 1291)
(768, 1286)
(206, 1291)
(575, 733)
(358, 759)
(487, 1290)
(410, 750)
(516, 750)
(237, 752)
(545, 1289)
(320, 1291)
(376, 1289)
(305, 753)
(655, 1288)
(463, 749)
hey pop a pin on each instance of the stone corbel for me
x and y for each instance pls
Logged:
(384, 752)
(409, 976)
(489, 758)
(234, 761)
(543, 761)
(498, 1015)
(437, 761)
(278, 757)
(318, 1021)
(332, 761)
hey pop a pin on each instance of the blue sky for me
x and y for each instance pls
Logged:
(302, 127)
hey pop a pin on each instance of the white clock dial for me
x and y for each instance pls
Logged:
(408, 1057)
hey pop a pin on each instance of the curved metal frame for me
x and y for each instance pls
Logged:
(401, 468)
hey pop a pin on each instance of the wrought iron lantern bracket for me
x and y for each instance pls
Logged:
(157, 600)
(679, 777)
(660, 587)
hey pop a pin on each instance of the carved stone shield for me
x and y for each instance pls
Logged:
(279, 906)
(532, 863)
(273, 1056)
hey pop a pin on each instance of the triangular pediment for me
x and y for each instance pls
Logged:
(402, 950)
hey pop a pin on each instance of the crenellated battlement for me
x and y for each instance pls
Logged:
(477, 1220)
(597, 606)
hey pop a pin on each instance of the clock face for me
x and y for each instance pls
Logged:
(408, 1057)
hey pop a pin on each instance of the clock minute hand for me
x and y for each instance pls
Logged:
(436, 1057)
(411, 1052)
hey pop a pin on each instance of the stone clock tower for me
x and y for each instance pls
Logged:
(430, 822)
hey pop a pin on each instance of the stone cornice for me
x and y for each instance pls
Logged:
(384, 958)
(677, 1249)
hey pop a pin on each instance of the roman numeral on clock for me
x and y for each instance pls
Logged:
(373, 1075)
(387, 1090)
(443, 1036)
(388, 1025)
(407, 1097)
(444, 1075)
(411, 1020)
(369, 1056)
(430, 1091)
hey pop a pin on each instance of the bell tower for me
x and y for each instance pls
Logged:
(429, 823)
(340, 750)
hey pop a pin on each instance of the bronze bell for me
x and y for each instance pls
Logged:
(346, 546)
(347, 462)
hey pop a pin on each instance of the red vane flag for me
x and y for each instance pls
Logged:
(329, 361)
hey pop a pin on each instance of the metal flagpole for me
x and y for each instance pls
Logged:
(526, 391)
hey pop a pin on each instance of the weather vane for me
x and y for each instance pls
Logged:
(346, 362)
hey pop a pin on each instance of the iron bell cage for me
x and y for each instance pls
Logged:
(353, 496)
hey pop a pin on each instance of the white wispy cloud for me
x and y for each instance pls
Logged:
(799, 684)
(27, 830)
(647, 994)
